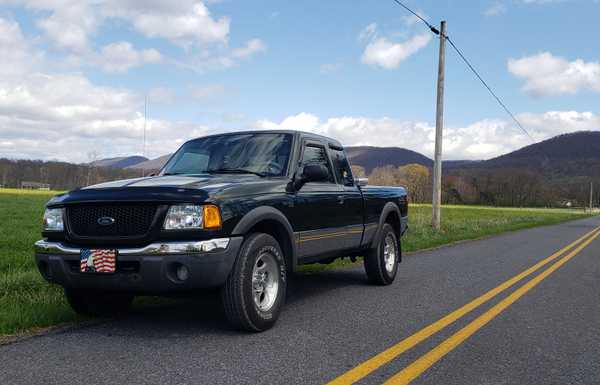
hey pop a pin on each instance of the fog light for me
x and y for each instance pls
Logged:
(182, 272)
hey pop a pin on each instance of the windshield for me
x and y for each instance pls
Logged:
(260, 154)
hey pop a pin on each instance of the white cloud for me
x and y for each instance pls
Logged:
(412, 19)
(303, 122)
(481, 140)
(554, 123)
(495, 9)
(121, 56)
(386, 54)
(549, 75)
(226, 59)
(187, 23)
(368, 33)
(66, 116)
(14, 50)
(253, 46)
(68, 24)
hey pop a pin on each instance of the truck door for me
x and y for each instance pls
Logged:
(351, 195)
(318, 207)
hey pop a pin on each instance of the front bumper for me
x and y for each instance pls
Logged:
(147, 270)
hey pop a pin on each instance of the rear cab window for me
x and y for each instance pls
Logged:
(341, 167)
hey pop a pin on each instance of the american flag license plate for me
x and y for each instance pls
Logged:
(98, 261)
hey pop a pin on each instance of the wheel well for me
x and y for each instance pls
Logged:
(394, 220)
(277, 231)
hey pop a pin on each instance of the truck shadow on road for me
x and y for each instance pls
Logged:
(181, 317)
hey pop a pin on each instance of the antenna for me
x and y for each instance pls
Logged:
(145, 123)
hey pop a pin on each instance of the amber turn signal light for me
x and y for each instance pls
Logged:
(212, 217)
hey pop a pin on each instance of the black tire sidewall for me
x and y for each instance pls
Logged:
(254, 246)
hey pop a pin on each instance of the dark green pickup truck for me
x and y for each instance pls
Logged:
(237, 211)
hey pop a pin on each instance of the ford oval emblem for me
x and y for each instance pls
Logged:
(106, 221)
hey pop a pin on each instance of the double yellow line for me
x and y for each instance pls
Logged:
(415, 369)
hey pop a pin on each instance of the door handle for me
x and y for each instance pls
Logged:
(340, 199)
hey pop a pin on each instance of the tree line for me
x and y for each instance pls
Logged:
(58, 175)
(517, 187)
(514, 187)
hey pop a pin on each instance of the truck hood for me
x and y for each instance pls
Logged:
(190, 182)
(163, 189)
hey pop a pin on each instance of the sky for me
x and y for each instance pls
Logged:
(75, 74)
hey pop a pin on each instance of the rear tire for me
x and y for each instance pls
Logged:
(381, 262)
(254, 292)
(97, 302)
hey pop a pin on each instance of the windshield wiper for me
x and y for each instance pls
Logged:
(173, 173)
(234, 171)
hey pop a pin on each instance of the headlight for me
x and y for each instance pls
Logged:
(189, 217)
(53, 220)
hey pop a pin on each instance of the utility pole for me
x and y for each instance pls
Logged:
(439, 128)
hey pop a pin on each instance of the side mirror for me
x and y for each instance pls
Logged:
(361, 182)
(312, 173)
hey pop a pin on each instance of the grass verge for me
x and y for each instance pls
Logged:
(27, 302)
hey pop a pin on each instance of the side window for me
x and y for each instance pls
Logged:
(316, 155)
(341, 167)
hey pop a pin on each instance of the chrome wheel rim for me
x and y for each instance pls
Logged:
(265, 282)
(389, 253)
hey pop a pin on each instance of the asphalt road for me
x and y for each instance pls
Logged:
(334, 321)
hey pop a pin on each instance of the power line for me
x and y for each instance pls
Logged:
(488, 88)
(468, 63)
(431, 27)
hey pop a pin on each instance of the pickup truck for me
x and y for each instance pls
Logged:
(237, 211)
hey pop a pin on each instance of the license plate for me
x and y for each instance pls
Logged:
(98, 260)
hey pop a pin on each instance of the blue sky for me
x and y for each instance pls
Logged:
(77, 73)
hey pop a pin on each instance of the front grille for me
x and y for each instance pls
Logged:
(129, 220)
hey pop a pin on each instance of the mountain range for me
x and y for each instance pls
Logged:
(575, 154)
(120, 162)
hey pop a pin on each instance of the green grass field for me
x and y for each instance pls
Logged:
(27, 302)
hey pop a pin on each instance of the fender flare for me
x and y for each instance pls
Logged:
(387, 209)
(259, 214)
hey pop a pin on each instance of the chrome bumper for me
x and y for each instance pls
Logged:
(158, 248)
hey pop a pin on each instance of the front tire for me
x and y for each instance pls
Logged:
(98, 303)
(381, 262)
(254, 292)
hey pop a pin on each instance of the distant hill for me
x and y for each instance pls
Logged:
(568, 155)
(372, 157)
(120, 162)
(151, 164)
